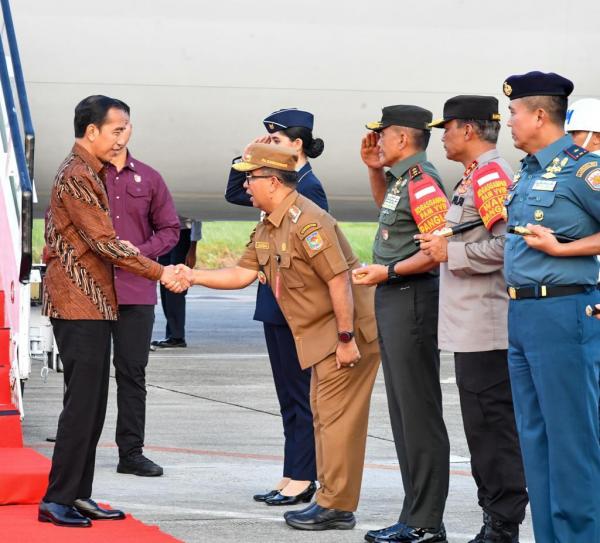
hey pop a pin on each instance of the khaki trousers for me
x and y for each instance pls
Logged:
(340, 400)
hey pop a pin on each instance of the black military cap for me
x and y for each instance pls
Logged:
(411, 116)
(481, 108)
(537, 84)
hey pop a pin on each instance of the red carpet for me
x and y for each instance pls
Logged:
(19, 523)
(23, 476)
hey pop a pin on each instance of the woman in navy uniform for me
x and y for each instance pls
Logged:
(291, 128)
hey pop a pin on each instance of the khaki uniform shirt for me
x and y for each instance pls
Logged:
(473, 299)
(394, 239)
(298, 248)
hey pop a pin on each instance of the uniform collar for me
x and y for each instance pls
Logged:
(547, 154)
(276, 216)
(304, 170)
(88, 158)
(488, 156)
(402, 166)
(130, 164)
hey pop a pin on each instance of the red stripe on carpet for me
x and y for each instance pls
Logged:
(20, 523)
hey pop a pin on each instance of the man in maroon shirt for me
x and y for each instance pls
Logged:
(143, 215)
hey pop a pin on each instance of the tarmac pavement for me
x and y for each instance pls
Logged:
(214, 426)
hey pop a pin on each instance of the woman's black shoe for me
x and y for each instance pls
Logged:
(264, 497)
(306, 496)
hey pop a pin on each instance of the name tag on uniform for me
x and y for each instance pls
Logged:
(544, 184)
(391, 201)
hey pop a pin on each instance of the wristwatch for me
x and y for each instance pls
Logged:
(345, 337)
(392, 275)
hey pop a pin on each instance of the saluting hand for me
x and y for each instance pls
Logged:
(260, 139)
(370, 275)
(347, 355)
(433, 246)
(369, 151)
(542, 239)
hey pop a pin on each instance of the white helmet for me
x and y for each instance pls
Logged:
(583, 115)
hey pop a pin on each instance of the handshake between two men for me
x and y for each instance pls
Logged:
(177, 278)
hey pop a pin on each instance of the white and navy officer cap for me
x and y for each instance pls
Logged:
(286, 118)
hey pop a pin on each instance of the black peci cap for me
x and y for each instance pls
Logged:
(481, 108)
(410, 116)
(537, 84)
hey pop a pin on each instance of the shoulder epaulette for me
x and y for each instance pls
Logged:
(415, 171)
(576, 152)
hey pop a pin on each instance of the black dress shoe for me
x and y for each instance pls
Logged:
(90, 509)
(416, 535)
(62, 515)
(499, 531)
(298, 511)
(138, 464)
(264, 497)
(168, 343)
(319, 518)
(305, 496)
(385, 533)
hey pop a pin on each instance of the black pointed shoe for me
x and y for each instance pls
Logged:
(305, 496)
(319, 518)
(90, 509)
(264, 497)
(385, 534)
(138, 464)
(62, 515)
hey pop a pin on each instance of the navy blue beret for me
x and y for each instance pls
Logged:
(537, 84)
(285, 118)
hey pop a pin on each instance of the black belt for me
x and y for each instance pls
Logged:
(409, 279)
(546, 291)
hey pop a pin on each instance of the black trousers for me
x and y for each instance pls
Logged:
(489, 422)
(173, 305)
(292, 385)
(131, 345)
(407, 317)
(84, 347)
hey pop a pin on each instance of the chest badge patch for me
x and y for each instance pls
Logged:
(593, 179)
(538, 215)
(261, 244)
(137, 178)
(314, 241)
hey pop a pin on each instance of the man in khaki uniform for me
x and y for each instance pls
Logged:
(473, 312)
(299, 251)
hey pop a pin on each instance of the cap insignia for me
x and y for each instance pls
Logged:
(507, 89)
(271, 126)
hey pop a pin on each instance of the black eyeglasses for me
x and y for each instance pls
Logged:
(251, 178)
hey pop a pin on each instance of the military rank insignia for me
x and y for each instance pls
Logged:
(428, 204)
(295, 213)
(490, 189)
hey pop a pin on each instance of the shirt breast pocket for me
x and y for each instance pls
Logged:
(388, 217)
(541, 198)
(138, 198)
(291, 277)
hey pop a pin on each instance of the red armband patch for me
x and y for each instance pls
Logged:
(428, 204)
(490, 188)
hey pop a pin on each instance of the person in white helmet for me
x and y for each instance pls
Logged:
(583, 123)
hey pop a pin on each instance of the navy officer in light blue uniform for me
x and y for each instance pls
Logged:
(554, 349)
(293, 128)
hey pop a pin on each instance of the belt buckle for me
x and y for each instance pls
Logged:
(512, 293)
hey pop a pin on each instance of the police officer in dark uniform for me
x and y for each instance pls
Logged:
(291, 128)
(406, 305)
(554, 348)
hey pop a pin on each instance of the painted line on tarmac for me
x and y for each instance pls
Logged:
(204, 356)
(243, 456)
(244, 515)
